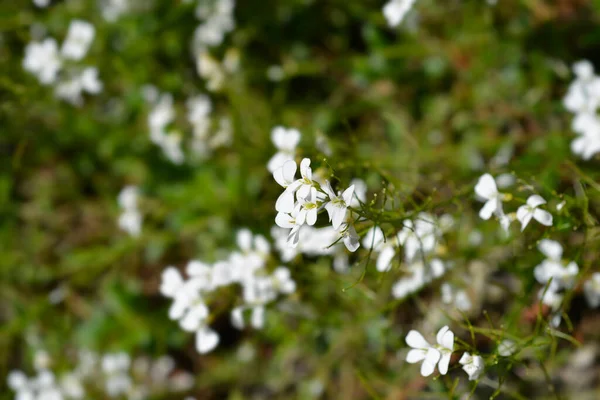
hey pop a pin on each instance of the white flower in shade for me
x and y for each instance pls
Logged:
(458, 298)
(552, 269)
(43, 60)
(526, 212)
(418, 237)
(130, 220)
(487, 191)
(206, 340)
(591, 289)
(350, 237)
(394, 11)
(116, 370)
(78, 40)
(507, 348)
(337, 206)
(41, 3)
(473, 365)
(282, 281)
(285, 140)
(431, 356)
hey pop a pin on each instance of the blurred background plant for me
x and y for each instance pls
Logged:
(419, 112)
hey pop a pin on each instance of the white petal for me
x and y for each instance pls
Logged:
(431, 359)
(415, 355)
(535, 201)
(347, 195)
(415, 340)
(311, 216)
(384, 261)
(206, 340)
(284, 220)
(543, 217)
(339, 215)
(488, 209)
(550, 249)
(444, 363)
(305, 170)
(445, 338)
(285, 202)
(486, 187)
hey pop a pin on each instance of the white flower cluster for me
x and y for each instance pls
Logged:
(246, 267)
(130, 219)
(208, 133)
(302, 200)
(487, 191)
(57, 67)
(394, 11)
(554, 275)
(112, 374)
(583, 100)
(217, 21)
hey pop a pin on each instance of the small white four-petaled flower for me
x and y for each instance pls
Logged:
(431, 355)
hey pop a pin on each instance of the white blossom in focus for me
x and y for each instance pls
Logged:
(473, 365)
(431, 355)
(530, 210)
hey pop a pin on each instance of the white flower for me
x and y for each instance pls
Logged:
(78, 40)
(473, 365)
(552, 268)
(42, 59)
(285, 140)
(459, 298)
(526, 212)
(507, 348)
(206, 340)
(130, 220)
(395, 11)
(308, 208)
(282, 281)
(418, 236)
(116, 369)
(591, 289)
(431, 355)
(350, 237)
(337, 205)
(486, 189)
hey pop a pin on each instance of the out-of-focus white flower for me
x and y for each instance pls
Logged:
(394, 11)
(41, 3)
(206, 340)
(507, 348)
(473, 365)
(130, 220)
(530, 210)
(552, 268)
(43, 60)
(285, 140)
(591, 289)
(431, 356)
(418, 237)
(116, 370)
(458, 298)
(113, 9)
(79, 38)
